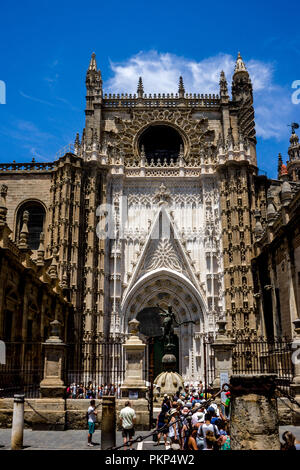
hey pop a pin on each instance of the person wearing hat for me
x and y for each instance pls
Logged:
(216, 409)
(174, 433)
(197, 417)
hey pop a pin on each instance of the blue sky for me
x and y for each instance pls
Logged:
(45, 49)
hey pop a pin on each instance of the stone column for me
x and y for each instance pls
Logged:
(17, 423)
(52, 385)
(222, 347)
(108, 424)
(134, 384)
(295, 385)
(254, 416)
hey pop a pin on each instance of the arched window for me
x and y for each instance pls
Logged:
(35, 224)
(161, 144)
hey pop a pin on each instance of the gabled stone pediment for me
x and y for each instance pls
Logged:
(164, 249)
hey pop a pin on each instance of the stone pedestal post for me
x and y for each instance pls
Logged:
(17, 423)
(254, 416)
(134, 384)
(108, 424)
(295, 385)
(52, 385)
(222, 347)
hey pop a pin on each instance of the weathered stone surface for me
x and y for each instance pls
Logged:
(254, 415)
(285, 414)
(72, 413)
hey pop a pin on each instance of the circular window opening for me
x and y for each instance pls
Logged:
(161, 144)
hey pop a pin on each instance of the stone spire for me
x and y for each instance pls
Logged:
(242, 95)
(41, 251)
(271, 211)
(240, 65)
(94, 96)
(3, 208)
(181, 89)
(223, 86)
(93, 77)
(77, 144)
(294, 143)
(293, 165)
(140, 88)
(24, 233)
(241, 83)
(95, 146)
(53, 266)
(93, 63)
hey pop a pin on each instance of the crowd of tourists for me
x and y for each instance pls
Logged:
(191, 421)
(92, 391)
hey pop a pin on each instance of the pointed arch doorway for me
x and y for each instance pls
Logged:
(166, 287)
(152, 331)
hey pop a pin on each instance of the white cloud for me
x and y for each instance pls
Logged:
(161, 71)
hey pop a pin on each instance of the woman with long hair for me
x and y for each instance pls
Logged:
(289, 441)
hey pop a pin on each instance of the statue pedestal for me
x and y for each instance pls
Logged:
(223, 347)
(168, 381)
(52, 385)
(134, 386)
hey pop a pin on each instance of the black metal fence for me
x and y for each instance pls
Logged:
(97, 364)
(264, 356)
(23, 370)
(102, 363)
(209, 364)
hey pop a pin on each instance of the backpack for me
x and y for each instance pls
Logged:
(200, 432)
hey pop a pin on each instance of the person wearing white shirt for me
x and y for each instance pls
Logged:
(92, 416)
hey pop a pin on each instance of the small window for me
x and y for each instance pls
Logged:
(35, 223)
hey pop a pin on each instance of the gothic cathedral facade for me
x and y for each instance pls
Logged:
(156, 203)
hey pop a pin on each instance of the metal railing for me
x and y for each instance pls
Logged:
(97, 364)
(23, 370)
(264, 356)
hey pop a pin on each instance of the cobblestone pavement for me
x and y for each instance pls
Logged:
(77, 440)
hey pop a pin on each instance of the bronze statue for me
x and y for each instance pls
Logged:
(169, 320)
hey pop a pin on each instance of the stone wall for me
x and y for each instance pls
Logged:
(67, 414)
(285, 414)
